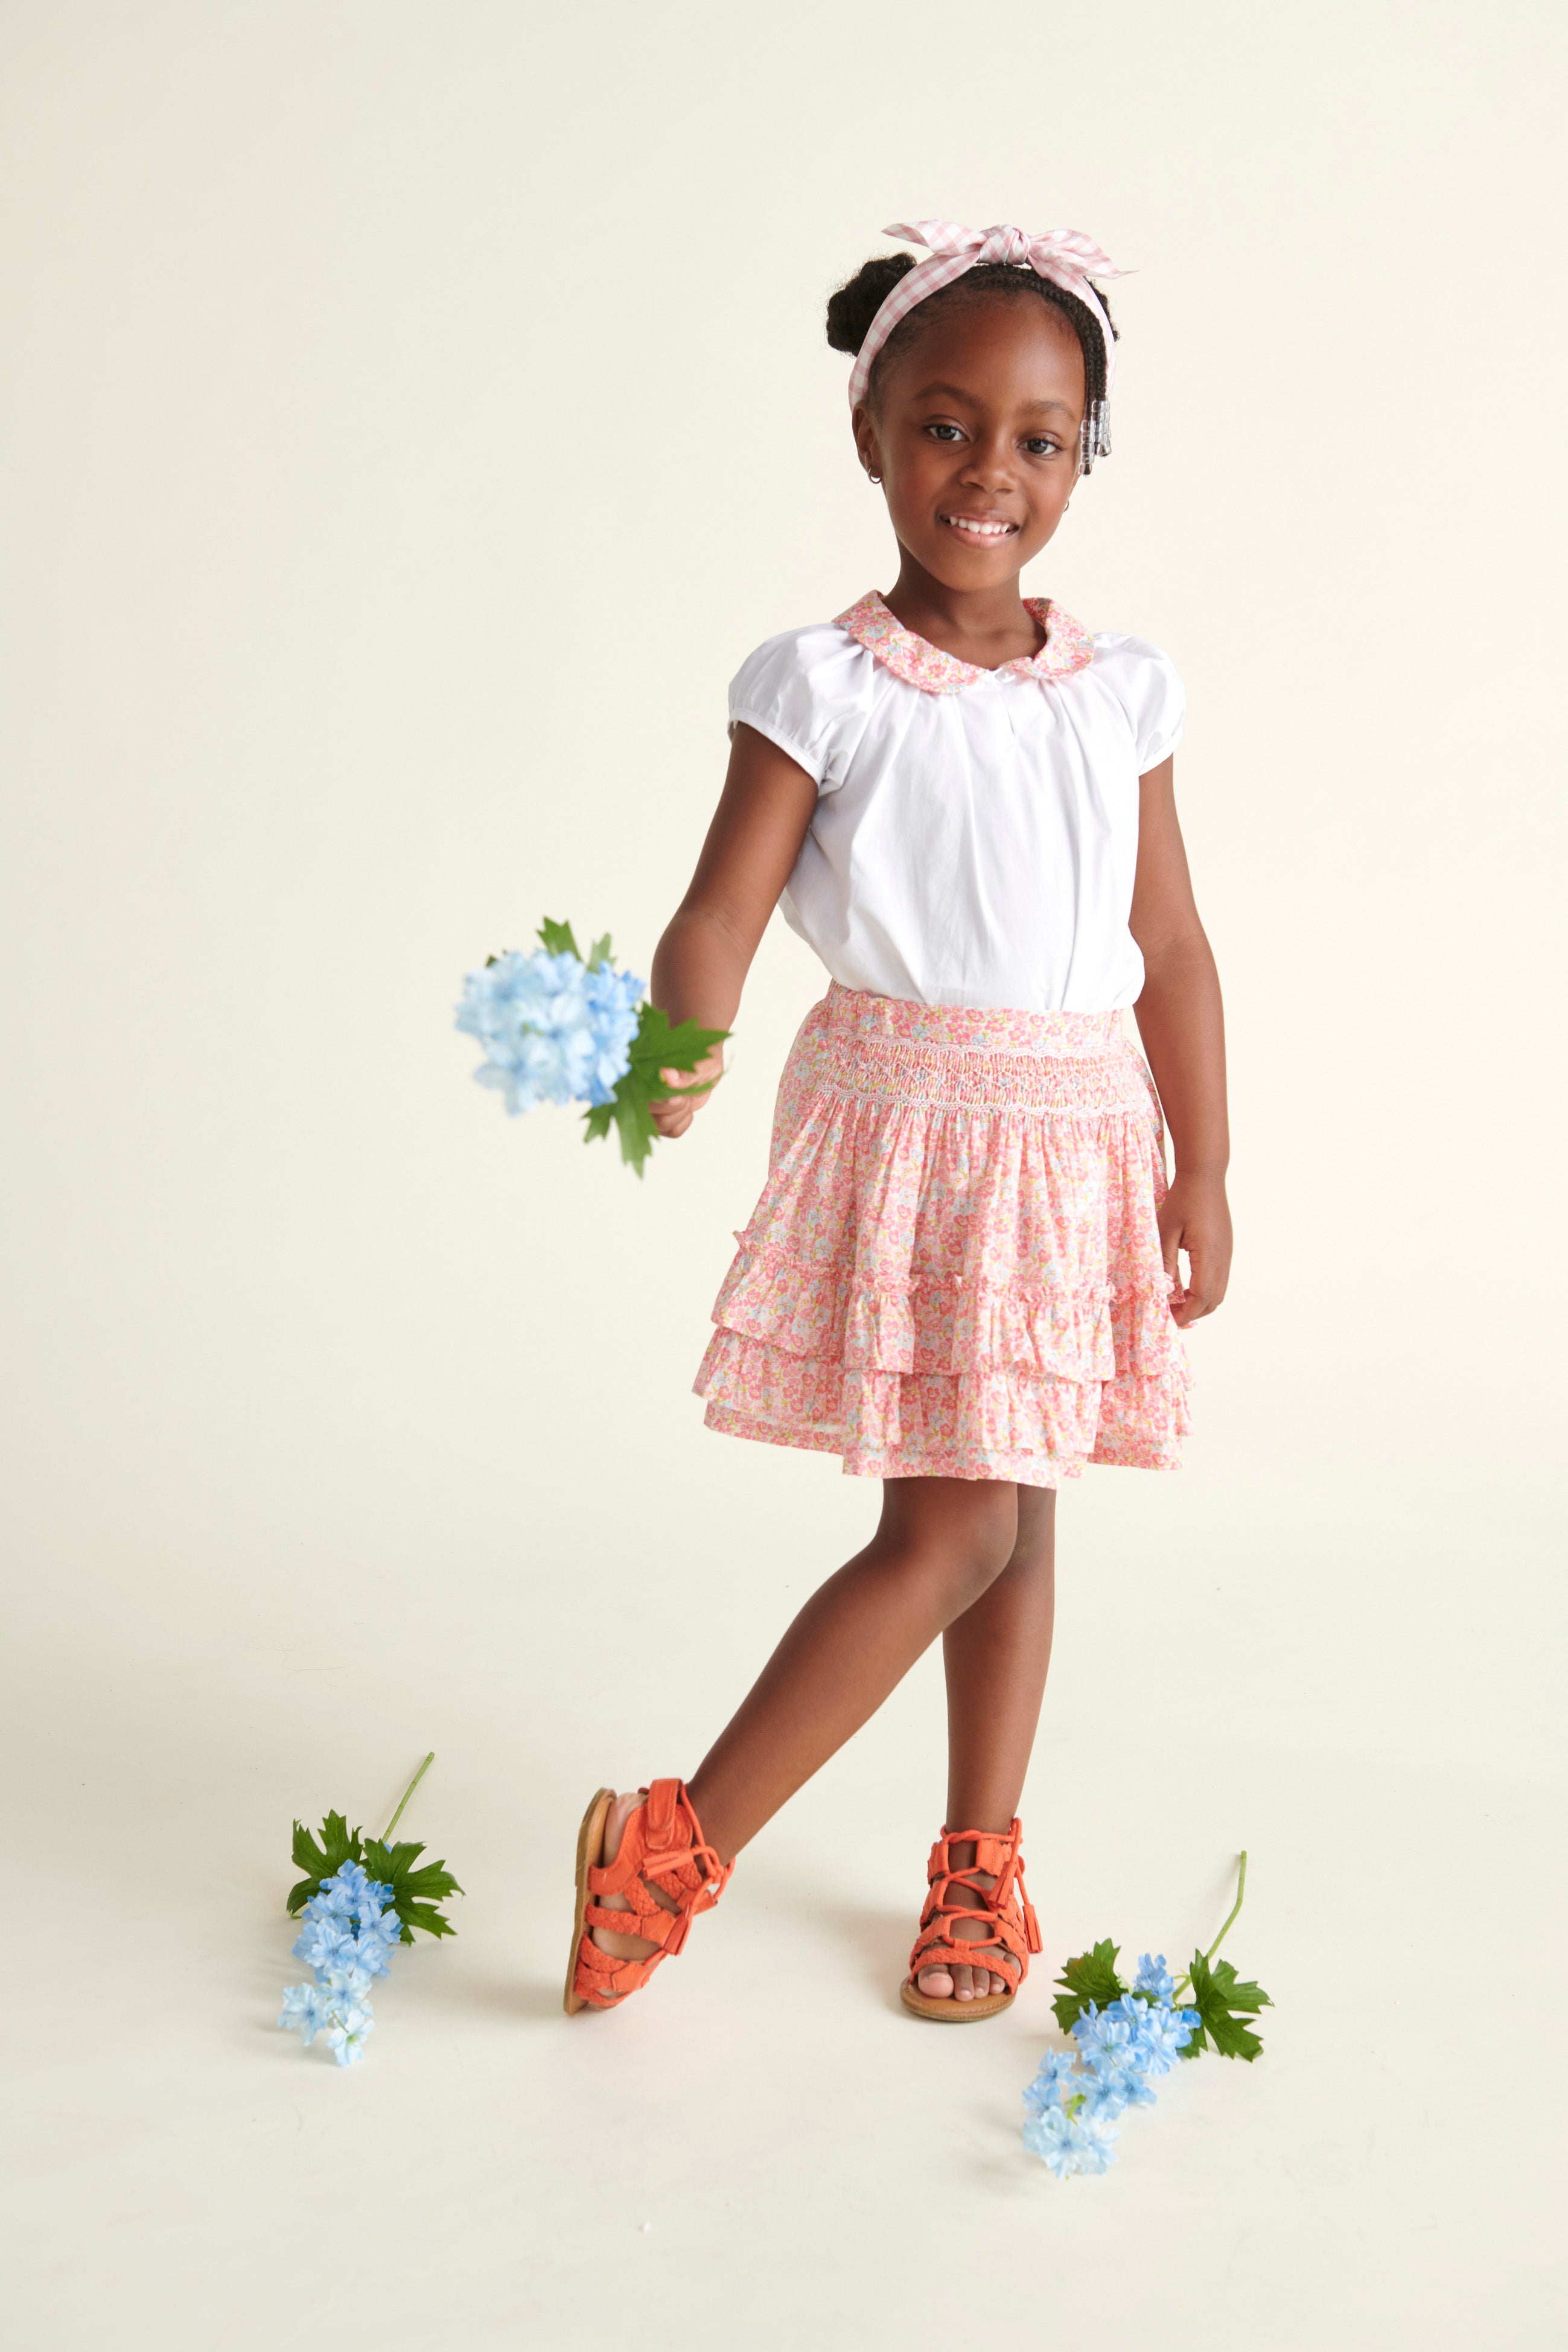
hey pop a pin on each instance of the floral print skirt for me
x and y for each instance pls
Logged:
(955, 1269)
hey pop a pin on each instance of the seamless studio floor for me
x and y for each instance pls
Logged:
(765, 2149)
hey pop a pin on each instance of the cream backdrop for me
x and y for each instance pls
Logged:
(412, 415)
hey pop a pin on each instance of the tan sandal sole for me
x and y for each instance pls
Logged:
(950, 2012)
(590, 1847)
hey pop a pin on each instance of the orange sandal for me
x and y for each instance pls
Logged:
(1006, 1908)
(663, 1852)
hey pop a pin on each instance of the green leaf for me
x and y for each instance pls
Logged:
(423, 1915)
(338, 1844)
(635, 1126)
(656, 1047)
(600, 952)
(304, 1851)
(1091, 1977)
(557, 939)
(598, 1121)
(1222, 2002)
(431, 1884)
(390, 1860)
(414, 1891)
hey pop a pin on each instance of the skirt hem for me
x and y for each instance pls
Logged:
(1011, 1469)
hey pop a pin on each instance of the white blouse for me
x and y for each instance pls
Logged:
(976, 831)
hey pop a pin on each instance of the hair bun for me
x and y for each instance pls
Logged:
(852, 309)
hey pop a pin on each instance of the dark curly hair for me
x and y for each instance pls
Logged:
(852, 308)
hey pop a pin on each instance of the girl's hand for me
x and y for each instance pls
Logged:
(1195, 1216)
(672, 1117)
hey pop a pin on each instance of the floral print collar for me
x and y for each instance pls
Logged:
(1067, 647)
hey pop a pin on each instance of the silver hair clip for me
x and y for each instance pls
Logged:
(1094, 435)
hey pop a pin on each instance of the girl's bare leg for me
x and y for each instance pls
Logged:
(941, 1544)
(996, 1655)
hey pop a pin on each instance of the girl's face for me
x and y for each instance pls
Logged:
(975, 435)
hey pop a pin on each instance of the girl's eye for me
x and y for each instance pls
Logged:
(1040, 445)
(946, 432)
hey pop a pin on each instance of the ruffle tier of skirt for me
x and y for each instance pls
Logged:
(955, 1269)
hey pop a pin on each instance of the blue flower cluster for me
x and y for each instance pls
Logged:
(1077, 2096)
(553, 1030)
(348, 1938)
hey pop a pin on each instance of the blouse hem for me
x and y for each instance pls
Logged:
(1146, 766)
(782, 742)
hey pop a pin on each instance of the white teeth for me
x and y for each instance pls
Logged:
(979, 530)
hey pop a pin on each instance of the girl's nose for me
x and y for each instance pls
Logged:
(989, 468)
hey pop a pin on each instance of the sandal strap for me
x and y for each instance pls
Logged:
(663, 1842)
(1004, 1946)
(655, 1924)
(603, 1979)
(1003, 1908)
(662, 1847)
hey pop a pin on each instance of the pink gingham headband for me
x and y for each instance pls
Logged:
(1065, 255)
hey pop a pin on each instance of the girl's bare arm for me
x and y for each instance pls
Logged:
(703, 958)
(1182, 1023)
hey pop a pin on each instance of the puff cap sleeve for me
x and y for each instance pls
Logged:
(808, 692)
(1146, 683)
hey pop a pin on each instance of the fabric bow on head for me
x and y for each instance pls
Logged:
(1065, 255)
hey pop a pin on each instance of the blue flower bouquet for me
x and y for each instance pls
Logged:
(558, 1026)
(353, 1920)
(1125, 2038)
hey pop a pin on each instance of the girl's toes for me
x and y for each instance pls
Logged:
(963, 1984)
(936, 1983)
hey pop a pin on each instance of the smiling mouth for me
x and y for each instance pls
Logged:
(983, 530)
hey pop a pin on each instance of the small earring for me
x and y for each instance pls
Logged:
(875, 479)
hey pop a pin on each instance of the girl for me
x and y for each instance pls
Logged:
(963, 1274)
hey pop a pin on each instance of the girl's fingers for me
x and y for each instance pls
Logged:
(1204, 1290)
(673, 1114)
(1200, 1286)
(704, 1076)
(1170, 1245)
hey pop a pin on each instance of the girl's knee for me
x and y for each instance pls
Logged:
(1034, 1546)
(970, 1528)
(988, 1554)
(993, 1537)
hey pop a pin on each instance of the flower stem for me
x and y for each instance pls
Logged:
(1235, 1907)
(402, 1801)
(1186, 1982)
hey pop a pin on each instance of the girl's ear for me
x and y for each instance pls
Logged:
(866, 447)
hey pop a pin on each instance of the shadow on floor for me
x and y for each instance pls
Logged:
(877, 1938)
(530, 2000)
